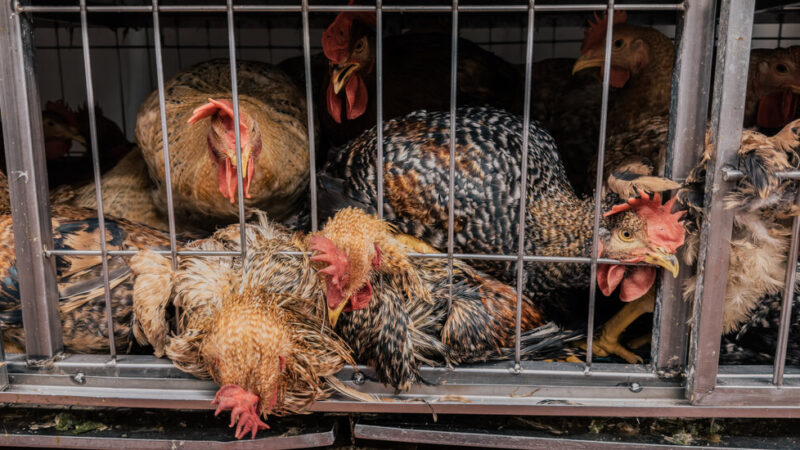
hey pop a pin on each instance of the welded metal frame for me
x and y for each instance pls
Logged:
(509, 387)
(705, 384)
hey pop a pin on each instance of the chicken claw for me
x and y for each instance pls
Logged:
(242, 405)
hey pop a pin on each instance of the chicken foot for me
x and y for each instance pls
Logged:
(608, 341)
(243, 406)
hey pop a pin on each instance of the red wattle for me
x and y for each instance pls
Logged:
(357, 97)
(360, 299)
(618, 77)
(777, 109)
(637, 283)
(609, 277)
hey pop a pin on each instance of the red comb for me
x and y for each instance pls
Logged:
(62, 109)
(663, 226)
(596, 33)
(336, 39)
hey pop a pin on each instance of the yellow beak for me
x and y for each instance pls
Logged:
(77, 137)
(245, 158)
(333, 314)
(660, 257)
(585, 62)
(341, 75)
(795, 88)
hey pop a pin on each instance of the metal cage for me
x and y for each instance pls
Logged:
(683, 378)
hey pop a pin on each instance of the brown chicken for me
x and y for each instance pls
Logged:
(274, 141)
(416, 75)
(261, 337)
(80, 283)
(761, 233)
(773, 85)
(642, 60)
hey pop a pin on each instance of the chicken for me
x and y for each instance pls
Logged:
(204, 169)
(127, 193)
(60, 128)
(761, 233)
(268, 351)
(557, 222)
(397, 311)
(80, 282)
(642, 61)
(773, 85)
(416, 75)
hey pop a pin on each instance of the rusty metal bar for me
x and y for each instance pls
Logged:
(526, 121)
(27, 180)
(730, 82)
(95, 151)
(691, 85)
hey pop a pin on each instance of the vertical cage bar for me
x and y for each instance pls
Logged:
(598, 185)
(526, 120)
(101, 222)
(58, 58)
(312, 163)
(27, 180)
(162, 106)
(727, 113)
(786, 305)
(379, 105)
(451, 199)
(237, 131)
(3, 366)
(691, 86)
(121, 87)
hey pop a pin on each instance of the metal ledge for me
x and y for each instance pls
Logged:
(485, 440)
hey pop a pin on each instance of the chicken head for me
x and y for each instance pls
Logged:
(60, 126)
(628, 51)
(348, 43)
(246, 351)
(222, 145)
(641, 230)
(774, 84)
(352, 246)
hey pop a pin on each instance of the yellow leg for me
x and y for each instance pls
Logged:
(608, 341)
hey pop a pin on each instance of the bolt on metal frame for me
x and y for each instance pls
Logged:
(515, 387)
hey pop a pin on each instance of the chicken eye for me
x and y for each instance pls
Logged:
(619, 43)
(359, 45)
(781, 68)
(626, 235)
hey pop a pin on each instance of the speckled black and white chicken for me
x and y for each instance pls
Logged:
(486, 214)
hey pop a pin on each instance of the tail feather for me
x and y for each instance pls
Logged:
(548, 341)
